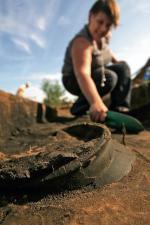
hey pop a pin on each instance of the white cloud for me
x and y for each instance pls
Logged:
(33, 77)
(142, 7)
(137, 53)
(63, 21)
(11, 26)
(48, 76)
(135, 6)
(41, 23)
(53, 77)
(38, 40)
(22, 44)
(35, 93)
(15, 28)
(29, 19)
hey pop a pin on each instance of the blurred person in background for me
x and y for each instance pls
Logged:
(35, 94)
(21, 90)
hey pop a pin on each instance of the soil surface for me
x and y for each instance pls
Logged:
(126, 202)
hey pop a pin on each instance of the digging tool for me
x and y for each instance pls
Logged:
(119, 121)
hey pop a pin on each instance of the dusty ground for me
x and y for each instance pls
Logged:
(123, 203)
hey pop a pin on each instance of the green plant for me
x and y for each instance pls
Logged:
(54, 93)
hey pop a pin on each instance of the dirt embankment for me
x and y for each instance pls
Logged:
(15, 112)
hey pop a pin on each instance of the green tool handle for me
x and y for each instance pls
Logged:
(119, 121)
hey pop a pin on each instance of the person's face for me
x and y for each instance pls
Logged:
(99, 25)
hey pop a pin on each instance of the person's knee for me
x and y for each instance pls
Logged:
(114, 80)
(124, 64)
(125, 69)
(111, 81)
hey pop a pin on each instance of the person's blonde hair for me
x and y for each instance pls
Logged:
(110, 8)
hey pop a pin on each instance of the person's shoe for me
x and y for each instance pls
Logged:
(80, 107)
(123, 109)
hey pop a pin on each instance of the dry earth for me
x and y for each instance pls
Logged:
(126, 202)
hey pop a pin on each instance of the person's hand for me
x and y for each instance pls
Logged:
(98, 111)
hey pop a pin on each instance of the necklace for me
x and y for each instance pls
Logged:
(98, 53)
(103, 74)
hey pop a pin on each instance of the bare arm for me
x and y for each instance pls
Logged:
(114, 58)
(82, 59)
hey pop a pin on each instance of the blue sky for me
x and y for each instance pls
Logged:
(34, 35)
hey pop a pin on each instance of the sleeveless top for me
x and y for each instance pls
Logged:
(99, 57)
